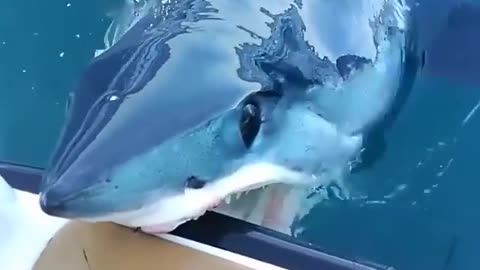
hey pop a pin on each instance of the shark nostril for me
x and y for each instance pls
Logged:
(194, 183)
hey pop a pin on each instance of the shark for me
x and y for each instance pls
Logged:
(196, 103)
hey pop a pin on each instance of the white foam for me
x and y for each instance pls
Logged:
(471, 113)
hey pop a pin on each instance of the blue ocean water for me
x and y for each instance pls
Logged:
(420, 210)
(35, 79)
(416, 207)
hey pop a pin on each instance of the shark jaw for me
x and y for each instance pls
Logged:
(167, 213)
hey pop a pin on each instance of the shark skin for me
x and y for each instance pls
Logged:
(198, 102)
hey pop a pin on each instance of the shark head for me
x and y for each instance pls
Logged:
(267, 138)
(166, 125)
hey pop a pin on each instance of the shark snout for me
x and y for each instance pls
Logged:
(72, 195)
(55, 200)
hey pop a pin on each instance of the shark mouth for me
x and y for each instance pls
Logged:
(166, 214)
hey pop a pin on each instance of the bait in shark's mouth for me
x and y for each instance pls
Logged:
(202, 101)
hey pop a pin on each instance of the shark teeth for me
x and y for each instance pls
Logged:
(238, 195)
(235, 196)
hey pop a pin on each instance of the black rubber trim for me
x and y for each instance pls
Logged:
(226, 233)
(21, 177)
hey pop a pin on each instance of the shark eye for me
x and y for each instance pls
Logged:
(250, 122)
